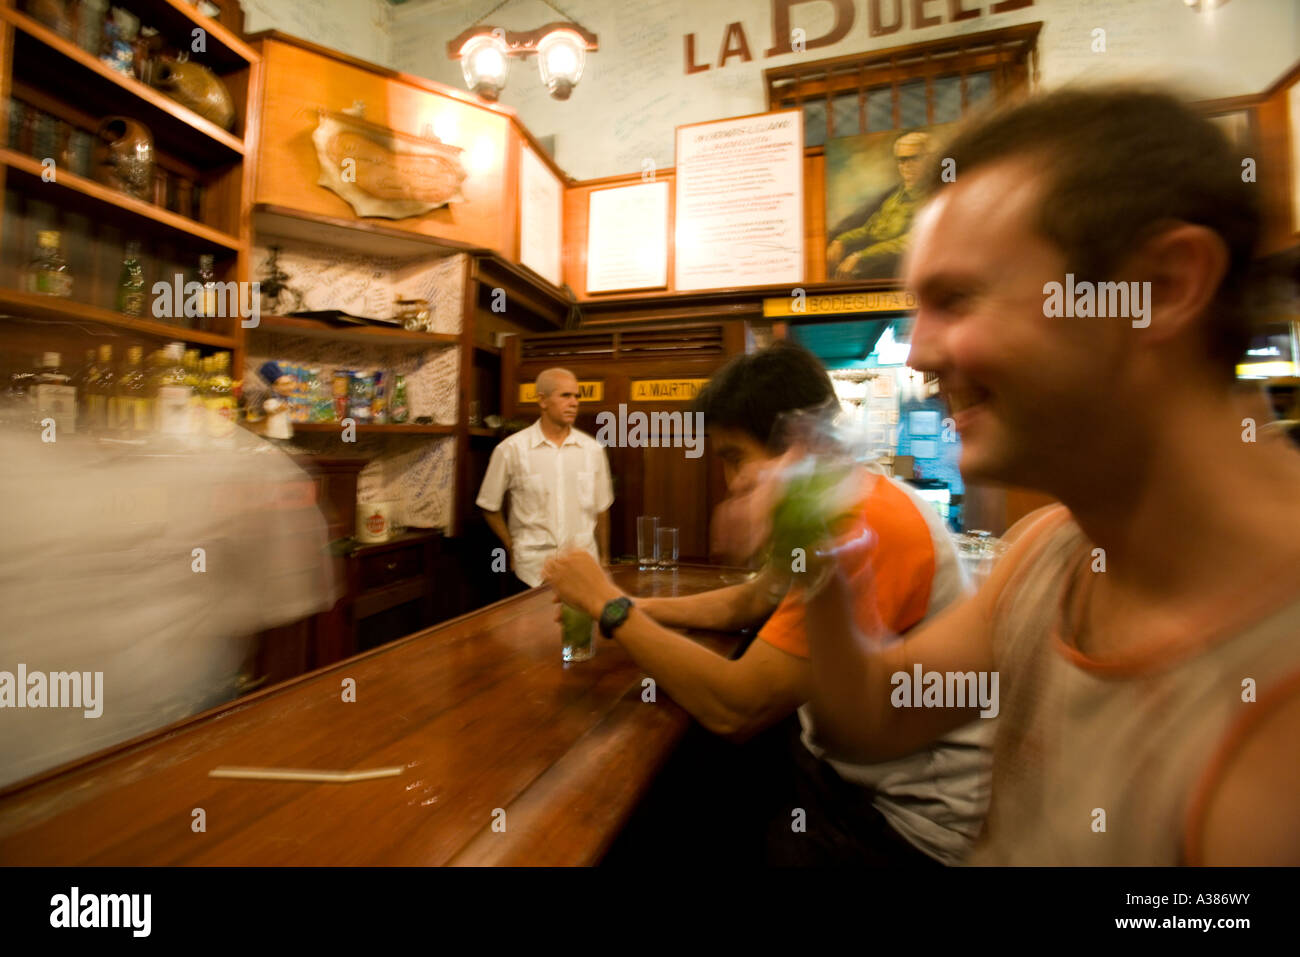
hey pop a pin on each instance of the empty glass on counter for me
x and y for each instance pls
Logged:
(647, 545)
(666, 540)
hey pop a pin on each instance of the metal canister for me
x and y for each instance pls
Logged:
(342, 385)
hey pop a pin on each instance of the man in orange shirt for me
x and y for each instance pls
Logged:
(917, 809)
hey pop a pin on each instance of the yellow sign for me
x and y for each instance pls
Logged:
(666, 390)
(587, 392)
(800, 305)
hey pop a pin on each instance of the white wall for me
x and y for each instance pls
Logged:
(359, 28)
(636, 89)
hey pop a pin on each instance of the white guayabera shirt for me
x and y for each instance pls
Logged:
(556, 493)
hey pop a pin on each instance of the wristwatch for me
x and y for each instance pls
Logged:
(614, 614)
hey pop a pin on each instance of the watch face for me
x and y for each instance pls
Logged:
(615, 614)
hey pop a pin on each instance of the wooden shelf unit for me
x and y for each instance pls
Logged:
(50, 74)
(375, 335)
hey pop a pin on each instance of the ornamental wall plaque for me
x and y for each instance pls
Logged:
(382, 172)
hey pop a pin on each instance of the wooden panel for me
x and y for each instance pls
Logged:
(299, 82)
(480, 713)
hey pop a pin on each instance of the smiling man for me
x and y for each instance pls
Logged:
(558, 481)
(1147, 630)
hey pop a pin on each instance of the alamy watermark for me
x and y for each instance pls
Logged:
(222, 300)
(58, 689)
(947, 689)
(1101, 300)
(655, 430)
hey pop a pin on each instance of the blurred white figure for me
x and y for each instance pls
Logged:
(100, 573)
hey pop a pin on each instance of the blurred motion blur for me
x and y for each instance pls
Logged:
(145, 566)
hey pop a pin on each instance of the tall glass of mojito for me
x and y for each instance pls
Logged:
(577, 631)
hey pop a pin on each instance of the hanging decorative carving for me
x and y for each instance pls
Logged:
(382, 172)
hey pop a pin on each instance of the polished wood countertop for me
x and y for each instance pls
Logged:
(480, 713)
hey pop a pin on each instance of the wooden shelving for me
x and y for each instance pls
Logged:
(482, 433)
(357, 235)
(376, 335)
(29, 305)
(46, 59)
(111, 205)
(389, 429)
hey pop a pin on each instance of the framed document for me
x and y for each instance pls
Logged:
(627, 238)
(541, 211)
(740, 202)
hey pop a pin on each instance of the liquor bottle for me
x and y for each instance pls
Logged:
(47, 273)
(172, 392)
(101, 394)
(399, 410)
(194, 379)
(54, 397)
(80, 381)
(130, 286)
(208, 297)
(133, 395)
(220, 398)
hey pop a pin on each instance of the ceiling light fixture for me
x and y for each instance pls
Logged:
(485, 51)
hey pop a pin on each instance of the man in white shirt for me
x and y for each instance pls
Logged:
(558, 480)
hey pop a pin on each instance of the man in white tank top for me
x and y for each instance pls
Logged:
(1146, 632)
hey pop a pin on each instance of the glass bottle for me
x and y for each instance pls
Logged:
(101, 393)
(208, 297)
(194, 379)
(172, 392)
(130, 285)
(47, 273)
(54, 397)
(220, 398)
(133, 394)
(80, 381)
(399, 410)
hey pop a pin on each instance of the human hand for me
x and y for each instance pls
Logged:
(579, 581)
(845, 269)
(834, 253)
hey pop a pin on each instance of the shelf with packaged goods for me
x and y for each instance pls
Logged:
(385, 429)
(27, 305)
(43, 58)
(375, 335)
(112, 205)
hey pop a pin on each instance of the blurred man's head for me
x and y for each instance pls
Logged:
(557, 395)
(910, 152)
(1107, 185)
(745, 402)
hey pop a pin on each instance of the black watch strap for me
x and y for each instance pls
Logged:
(614, 614)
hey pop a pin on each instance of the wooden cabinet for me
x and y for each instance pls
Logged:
(391, 589)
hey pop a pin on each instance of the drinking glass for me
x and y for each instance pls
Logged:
(577, 635)
(666, 539)
(647, 546)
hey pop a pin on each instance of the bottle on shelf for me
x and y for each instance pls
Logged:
(54, 397)
(130, 285)
(399, 410)
(101, 394)
(47, 273)
(133, 395)
(208, 298)
(194, 378)
(80, 381)
(171, 395)
(220, 398)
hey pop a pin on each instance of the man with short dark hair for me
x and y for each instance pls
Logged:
(921, 809)
(1145, 630)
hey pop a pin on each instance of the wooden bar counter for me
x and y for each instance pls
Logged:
(480, 713)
